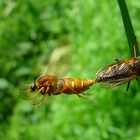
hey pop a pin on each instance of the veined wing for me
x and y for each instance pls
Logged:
(117, 82)
(116, 69)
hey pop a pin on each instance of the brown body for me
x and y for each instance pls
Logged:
(120, 72)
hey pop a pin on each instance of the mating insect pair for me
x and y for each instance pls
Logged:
(120, 72)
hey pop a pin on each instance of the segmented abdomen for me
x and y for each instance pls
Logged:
(107, 79)
(74, 85)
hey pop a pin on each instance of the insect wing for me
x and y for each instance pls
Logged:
(110, 85)
(117, 68)
(117, 82)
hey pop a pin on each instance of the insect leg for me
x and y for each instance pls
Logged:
(42, 100)
(86, 94)
(128, 85)
(138, 81)
(34, 95)
(117, 60)
(81, 96)
(77, 93)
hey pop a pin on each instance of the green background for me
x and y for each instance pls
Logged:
(68, 39)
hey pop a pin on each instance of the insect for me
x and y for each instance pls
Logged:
(51, 85)
(120, 72)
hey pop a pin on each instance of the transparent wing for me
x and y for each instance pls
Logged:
(117, 82)
(110, 85)
(117, 68)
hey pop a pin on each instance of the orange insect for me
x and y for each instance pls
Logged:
(51, 85)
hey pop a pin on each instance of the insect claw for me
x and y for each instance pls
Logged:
(40, 104)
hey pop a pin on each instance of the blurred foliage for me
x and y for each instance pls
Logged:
(69, 38)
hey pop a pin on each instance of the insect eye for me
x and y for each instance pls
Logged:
(33, 86)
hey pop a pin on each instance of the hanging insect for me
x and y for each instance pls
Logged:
(120, 72)
(51, 85)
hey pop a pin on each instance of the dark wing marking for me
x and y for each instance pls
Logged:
(117, 82)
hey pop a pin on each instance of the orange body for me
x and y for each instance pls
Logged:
(51, 85)
(75, 85)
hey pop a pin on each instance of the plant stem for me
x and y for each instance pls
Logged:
(128, 28)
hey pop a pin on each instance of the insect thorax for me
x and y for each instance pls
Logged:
(136, 66)
(60, 84)
(57, 87)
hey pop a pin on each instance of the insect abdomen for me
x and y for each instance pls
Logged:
(104, 79)
(111, 79)
(75, 85)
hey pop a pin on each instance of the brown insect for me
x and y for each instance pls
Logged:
(120, 72)
(51, 85)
